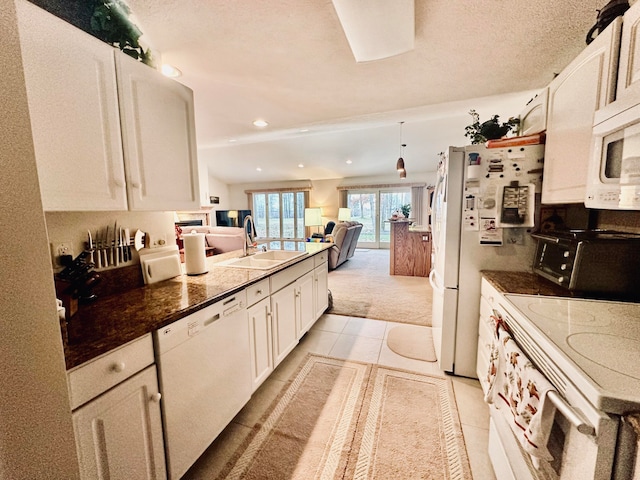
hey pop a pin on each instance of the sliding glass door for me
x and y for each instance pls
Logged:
(363, 205)
(373, 208)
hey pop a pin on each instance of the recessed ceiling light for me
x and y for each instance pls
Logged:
(300, 165)
(170, 71)
(349, 162)
(260, 123)
(258, 169)
(304, 130)
(233, 140)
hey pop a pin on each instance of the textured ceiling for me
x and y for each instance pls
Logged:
(289, 62)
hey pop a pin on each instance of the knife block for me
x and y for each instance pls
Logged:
(68, 301)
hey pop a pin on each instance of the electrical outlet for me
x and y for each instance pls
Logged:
(57, 250)
(156, 240)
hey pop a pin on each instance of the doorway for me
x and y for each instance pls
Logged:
(373, 208)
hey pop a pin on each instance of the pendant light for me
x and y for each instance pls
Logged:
(400, 162)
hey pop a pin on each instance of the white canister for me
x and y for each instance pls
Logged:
(194, 253)
(474, 172)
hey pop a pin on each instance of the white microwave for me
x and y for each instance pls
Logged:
(613, 180)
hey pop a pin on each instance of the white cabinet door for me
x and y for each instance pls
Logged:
(305, 310)
(584, 86)
(73, 104)
(158, 137)
(260, 341)
(119, 434)
(284, 318)
(628, 93)
(321, 280)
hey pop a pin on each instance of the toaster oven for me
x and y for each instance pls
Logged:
(596, 261)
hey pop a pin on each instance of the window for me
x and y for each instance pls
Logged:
(279, 218)
(373, 208)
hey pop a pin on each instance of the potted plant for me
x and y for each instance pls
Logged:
(110, 23)
(488, 130)
(406, 209)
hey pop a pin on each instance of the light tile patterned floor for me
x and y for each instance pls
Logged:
(355, 339)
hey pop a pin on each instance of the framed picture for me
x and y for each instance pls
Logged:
(214, 200)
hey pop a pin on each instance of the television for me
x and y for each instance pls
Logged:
(231, 218)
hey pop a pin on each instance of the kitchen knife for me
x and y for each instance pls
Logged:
(91, 249)
(127, 242)
(123, 253)
(98, 252)
(103, 248)
(115, 249)
(107, 257)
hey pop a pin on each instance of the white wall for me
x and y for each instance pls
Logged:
(72, 226)
(36, 433)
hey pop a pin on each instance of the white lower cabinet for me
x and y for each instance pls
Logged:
(276, 323)
(284, 322)
(119, 434)
(261, 342)
(321, 289)
(305, 308)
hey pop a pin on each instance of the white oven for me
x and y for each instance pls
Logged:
(586, 403)
(613, 179)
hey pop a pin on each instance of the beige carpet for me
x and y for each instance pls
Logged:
(412, 341)
(362, 287)
(340, 419)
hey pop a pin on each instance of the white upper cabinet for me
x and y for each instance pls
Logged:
(628, 92)
(158, 137)
(73, 104)
(587, 84)
(104, 141)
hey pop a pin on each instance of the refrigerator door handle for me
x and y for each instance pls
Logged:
(433, 281)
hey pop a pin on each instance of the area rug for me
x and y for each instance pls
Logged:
(412, 341)
(362, 287)
(340, 419)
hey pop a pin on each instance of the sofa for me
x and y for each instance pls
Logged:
(221, 239)
(345, 240)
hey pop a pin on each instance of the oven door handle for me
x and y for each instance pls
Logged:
(571, 414)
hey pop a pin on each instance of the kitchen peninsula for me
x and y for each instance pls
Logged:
(410, 250)
(118, 319)
(203, 344)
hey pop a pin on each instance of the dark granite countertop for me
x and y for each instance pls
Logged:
(115, 320)
(523, 283)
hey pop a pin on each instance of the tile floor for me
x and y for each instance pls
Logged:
(357, 339)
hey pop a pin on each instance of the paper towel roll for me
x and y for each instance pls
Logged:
(194, 254)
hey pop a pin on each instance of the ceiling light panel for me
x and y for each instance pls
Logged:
(377, 29)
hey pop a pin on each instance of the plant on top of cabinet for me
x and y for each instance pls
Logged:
(488, 130)
(110, 23)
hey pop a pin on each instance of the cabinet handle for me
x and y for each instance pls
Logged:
(155, 397)
(258, 292)
(118, 367)
(119, 183)
(136, 184)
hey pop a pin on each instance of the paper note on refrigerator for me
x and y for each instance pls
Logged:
(490, 234)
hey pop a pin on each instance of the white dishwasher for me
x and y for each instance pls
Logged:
(204, 365)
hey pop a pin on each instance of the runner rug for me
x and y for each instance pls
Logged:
(340, 419)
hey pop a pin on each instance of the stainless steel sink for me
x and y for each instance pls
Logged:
(263, 260)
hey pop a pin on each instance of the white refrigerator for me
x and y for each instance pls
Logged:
(483, 209)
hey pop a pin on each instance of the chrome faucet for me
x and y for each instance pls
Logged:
(249, 236)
